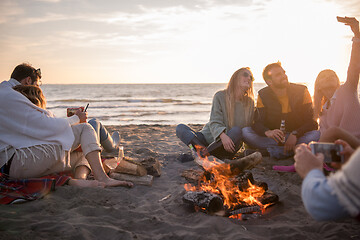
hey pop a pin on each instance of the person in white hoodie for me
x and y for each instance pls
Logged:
(34, 143)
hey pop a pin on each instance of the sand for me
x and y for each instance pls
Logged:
(121, 213)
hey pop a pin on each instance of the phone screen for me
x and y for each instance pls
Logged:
(331, 151)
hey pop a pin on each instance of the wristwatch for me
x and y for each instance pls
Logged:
(295, 133)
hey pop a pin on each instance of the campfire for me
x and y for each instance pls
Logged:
(227, 190)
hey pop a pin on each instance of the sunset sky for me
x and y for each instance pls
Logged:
(173, 41)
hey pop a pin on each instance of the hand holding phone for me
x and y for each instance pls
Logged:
(331, 151)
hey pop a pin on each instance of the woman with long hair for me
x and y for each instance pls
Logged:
(232, 109)
(337, 106)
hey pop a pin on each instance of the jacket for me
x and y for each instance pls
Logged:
(299, 119)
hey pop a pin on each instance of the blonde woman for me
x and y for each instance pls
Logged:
(337, 106)
(232, 109)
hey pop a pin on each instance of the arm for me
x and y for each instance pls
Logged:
(318, 199)
(354, 65)
(217, 115)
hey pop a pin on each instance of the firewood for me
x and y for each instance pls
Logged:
(205, 201)
(130, 168)
(152, 166)
(248, 209)
(141, 180)
(110, 164)
(268, 198)
(192, 175)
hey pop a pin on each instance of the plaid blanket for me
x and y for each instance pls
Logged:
(21, 190)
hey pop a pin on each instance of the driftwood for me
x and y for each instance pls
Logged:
(141, 180)
(127, 167)
(207, 202)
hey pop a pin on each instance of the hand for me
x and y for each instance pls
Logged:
(305, 160)
(347, 152)
(227, 142)
(82, 116)
(276, 134)
(354, 25)
(290, 143)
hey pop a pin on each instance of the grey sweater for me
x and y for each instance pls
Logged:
(218, 117)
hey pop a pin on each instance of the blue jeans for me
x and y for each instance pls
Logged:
(189, 136)
(256, 141)
(100, 130)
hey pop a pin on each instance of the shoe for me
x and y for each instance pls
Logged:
(116, 139)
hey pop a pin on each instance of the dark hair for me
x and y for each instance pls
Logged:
(33, 93)
(268, 68)
(25, 70)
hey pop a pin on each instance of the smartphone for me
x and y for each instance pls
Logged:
(72, 111)
(331, 151)
(341, 19)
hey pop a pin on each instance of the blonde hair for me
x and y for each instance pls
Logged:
(33, 93)
(247, 98)
(325, 78)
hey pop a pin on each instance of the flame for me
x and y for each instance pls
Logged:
(223, 184)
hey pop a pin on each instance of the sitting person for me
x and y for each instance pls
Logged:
(34, 143)
(338, 105)
(279, 102)
(336, 196)
(232, 109)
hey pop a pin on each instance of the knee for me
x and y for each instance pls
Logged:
(94, 122)
(246, 131)
(236, 131)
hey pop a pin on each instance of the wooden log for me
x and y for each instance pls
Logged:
(247, 209)
(239, 165)
(152, 166)
(128, 167)
(268, 198)
(110, 164)
(140, 180)
(192, 175)
(207, 202)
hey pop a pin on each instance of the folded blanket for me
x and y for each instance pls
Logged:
(21, 190)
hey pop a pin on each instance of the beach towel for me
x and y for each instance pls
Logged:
(21, 190)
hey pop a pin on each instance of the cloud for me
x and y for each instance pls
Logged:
(9, 10)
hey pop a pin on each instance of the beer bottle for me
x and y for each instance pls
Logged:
(282, 128)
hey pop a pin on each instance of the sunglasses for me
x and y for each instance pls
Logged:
(246, 74)
(38, 74)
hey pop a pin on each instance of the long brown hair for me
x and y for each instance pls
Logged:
(325, 78)
(247, 98)
(33, 93)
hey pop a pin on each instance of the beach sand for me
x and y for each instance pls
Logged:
(136, 213)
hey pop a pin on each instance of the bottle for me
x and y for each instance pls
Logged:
(282, 128)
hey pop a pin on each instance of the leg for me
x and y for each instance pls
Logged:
(85, 135)
(189, 136)
(256, 141)
(252, 139)
(309, 137)
(108, 142)
(217, 149)
(335, 133)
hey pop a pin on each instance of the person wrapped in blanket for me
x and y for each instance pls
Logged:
(35, 143)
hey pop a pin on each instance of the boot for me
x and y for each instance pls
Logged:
(111, 145)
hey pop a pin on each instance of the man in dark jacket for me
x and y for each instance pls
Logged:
(279, 103)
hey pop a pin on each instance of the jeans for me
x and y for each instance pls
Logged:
(100, 130)
(189, 136)
(264, 143)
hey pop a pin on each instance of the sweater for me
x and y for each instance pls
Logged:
(23, 125)
(218, 122)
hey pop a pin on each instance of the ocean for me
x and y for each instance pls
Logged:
(124, 104)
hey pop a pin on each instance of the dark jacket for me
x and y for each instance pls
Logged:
(269, 117)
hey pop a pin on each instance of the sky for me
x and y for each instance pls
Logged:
(173, 41)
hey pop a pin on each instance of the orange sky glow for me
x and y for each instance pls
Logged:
(180, 41)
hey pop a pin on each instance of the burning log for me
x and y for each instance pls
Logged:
(243, 179)
(269, 198)
(208, 202)
(250, 209)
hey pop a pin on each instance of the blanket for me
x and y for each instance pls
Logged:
(21, 190)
